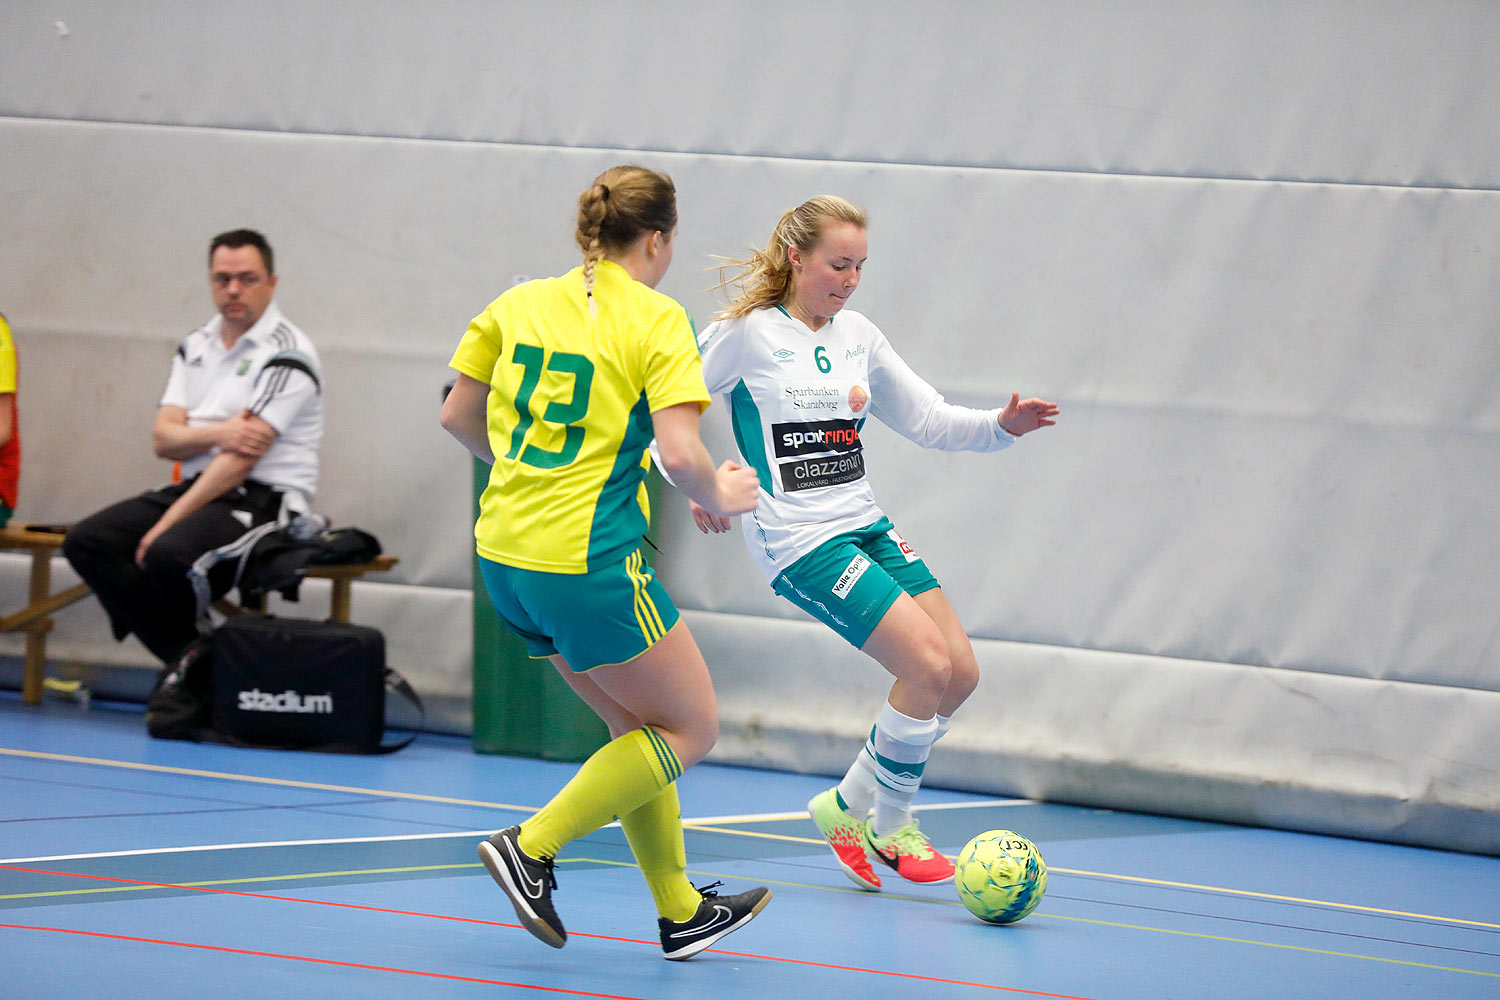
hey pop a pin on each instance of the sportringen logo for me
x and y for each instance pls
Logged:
(831, 437)
(816, 436)
(287, 702)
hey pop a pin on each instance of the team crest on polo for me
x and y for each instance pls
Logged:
(243, 368)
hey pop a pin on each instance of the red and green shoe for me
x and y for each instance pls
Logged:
(846, 838)
(908, 851)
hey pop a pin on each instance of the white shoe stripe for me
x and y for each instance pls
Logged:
(531, 887)
(722, 916)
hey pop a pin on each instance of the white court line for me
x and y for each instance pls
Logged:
(802, 813)
(246, 847)
(981, 804)
(702, 821)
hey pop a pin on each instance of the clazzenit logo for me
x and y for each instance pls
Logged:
(814, 473)
(256, 700)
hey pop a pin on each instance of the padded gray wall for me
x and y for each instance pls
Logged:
(1249, 247)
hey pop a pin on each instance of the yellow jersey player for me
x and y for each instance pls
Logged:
(563, 382)
(10, 429)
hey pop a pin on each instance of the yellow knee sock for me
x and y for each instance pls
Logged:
(615, 781)
(654, 830)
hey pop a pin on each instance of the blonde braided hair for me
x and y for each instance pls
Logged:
(621, 204)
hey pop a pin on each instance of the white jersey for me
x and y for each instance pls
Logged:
(798, 399)
(272, 370)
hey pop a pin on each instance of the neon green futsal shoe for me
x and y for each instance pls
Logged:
(910, 853)
(846, 838)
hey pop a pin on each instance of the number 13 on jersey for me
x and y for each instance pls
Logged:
(534, 362)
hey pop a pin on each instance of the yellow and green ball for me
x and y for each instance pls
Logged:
(1000, 877)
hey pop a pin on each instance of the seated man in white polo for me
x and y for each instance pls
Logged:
(243, 414)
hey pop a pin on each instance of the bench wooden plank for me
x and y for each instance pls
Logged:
(44, 607)
(35, 618)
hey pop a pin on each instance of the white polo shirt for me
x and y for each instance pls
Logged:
(273, 371)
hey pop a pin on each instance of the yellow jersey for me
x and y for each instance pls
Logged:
(10, 451)
(572, 390)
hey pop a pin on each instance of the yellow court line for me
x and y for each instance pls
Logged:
(256, 780)
(1279, 899)
(1273, 944)
(234, 881)
(451, 867)
(1354, 907)
(689, 824)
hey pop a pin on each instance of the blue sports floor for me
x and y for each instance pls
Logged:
(136, 868)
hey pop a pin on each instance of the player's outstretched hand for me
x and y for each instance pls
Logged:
(738, 490)
(706, 522)
(1021, 416)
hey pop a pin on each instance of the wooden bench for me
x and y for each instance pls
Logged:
(35, 619)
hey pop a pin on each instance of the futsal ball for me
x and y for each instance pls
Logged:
(1000, 877)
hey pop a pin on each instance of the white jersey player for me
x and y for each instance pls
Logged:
(798, 400)
(801, 376)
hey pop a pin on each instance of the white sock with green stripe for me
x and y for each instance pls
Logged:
(888, 770)
(857, 790)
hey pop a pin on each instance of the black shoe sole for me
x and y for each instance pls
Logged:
(689, 950)
(500, 872)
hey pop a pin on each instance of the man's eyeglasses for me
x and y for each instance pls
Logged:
(247, 279)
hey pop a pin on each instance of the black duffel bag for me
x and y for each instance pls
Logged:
(285, 683)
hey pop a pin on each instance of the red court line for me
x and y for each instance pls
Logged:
(903, 975)
(496, 923)
(317, 961)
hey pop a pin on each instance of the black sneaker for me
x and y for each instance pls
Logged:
(716, 917)
(527, 881)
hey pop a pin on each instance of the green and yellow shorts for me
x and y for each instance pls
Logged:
(610, 615)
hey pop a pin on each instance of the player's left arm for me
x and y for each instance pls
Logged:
(908, 404)
(466, 416)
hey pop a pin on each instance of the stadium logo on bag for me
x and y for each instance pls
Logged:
(256, 700)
